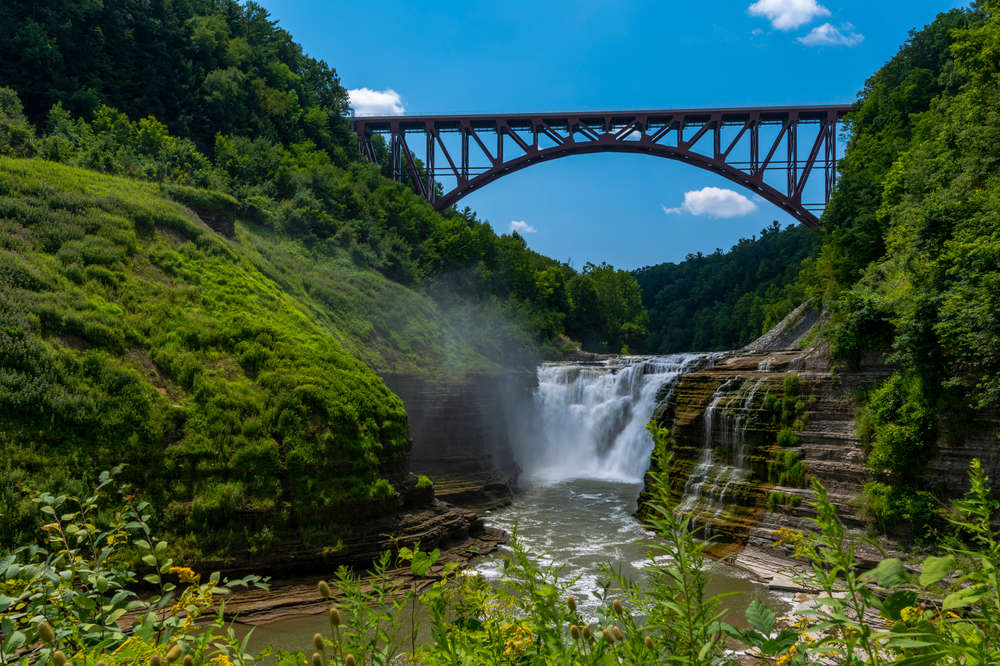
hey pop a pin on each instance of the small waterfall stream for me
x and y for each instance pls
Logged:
(724, 459)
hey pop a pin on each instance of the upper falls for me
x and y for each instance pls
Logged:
(590, 418)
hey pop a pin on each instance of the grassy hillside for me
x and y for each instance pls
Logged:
(132, 333)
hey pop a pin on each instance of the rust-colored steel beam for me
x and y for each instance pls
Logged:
(766, 141)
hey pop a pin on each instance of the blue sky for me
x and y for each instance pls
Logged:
(515, 56)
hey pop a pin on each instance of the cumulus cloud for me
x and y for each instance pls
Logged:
(522, 227)
(788, 14)
(828, 35)
(368, 102)
(714, 202)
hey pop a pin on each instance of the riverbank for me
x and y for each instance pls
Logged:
(293, 597)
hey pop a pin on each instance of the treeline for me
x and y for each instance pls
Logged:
(203, 67)
(725, 299)
(910, 263)
(213, 94)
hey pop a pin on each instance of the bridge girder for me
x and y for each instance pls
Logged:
(692, 136)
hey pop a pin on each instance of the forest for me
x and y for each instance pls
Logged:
(724, 300)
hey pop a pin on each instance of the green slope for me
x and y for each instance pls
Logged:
(222, 372)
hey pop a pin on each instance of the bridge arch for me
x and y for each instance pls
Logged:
(742, 159)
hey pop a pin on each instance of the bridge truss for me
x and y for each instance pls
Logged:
(777, 153)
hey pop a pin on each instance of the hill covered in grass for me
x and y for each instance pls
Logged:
(132, 333)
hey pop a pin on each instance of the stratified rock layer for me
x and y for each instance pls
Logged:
(743, 510)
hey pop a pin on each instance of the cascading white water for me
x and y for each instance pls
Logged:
(719, 468)
(591, 418)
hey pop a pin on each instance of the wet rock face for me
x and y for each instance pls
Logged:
(749, 432)
(462, 429)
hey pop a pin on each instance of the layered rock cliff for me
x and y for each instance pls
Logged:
(749, 432)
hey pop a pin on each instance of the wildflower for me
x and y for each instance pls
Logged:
(59, 657)
(911, 614)
(335, 617)
(174, 653)
(220, 660)
(608, 637)
(586, 632)
(188, 660)
(787, 535)
(349, 660)
(185, 574)
(571, 602)
(316, 659)
(156, 660)
(618, 607)
(619, 636)
(649, 643)
(519, 638)
(574, 631)
(324, 589)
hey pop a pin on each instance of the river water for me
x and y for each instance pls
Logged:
(583, 462)
(583, 452)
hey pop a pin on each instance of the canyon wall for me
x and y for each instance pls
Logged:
(747, 434)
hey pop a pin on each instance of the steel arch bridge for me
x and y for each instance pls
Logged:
(772, 151)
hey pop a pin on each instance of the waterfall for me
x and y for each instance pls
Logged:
(723, 460)
(590, 418)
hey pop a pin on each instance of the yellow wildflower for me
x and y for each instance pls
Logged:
(519, 638)
(787, 535)
(185, 574)
(910, 614)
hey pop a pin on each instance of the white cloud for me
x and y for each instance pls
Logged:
(788, 14)
(522, 227)
(714, 202)
(828, 35)
(368, 102)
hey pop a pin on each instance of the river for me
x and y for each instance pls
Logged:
(583, 453)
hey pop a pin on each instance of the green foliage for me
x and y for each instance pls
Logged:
(761, 636)
(202, 67)
(905, 505)
(423, 481)
(341, 209)
(134, 334)
(899, 423)
(606, 310)
(16, 134)
(909, 266)
(786, 469)
(777, 498)
(75, 591)
(725, 300)
(947, 614)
